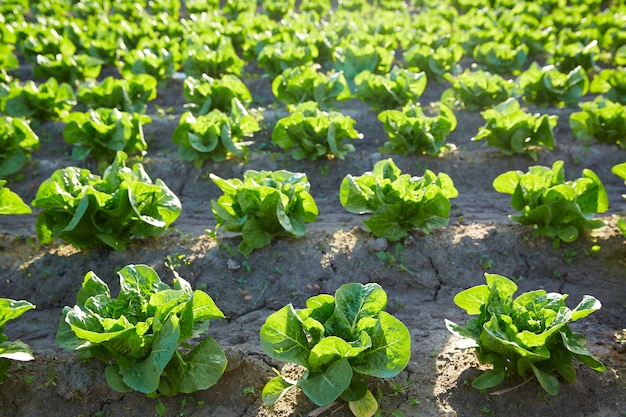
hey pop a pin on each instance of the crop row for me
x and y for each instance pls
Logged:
(145, 337)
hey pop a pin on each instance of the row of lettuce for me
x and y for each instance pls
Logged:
(220, 123)
(88, 210)
(146, 335)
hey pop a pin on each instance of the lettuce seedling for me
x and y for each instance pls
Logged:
(547, 86)
(213, 61)
(528, 335)
(276, 57)
(102, 132)
(555, 208)
(411, 131)
(15, 350)
(501, 58)
(396, 89)
(67, 68)
(11, 203)
(17, 142)
(602, 120)
(87, 210)
(476, 90)
(306, 83)
(362, 54)
(341, 341)
(263, 205)
(129, 95)
(611, 83)
(567, 56)
(144, 334)
(207, 93)
(215, 136)
(435, 62)
(311, 133)
(46, 101)
(398, 202)
(620, 171)
(157, 62)
(513, 131)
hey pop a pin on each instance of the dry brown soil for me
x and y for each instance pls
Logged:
(335, 250)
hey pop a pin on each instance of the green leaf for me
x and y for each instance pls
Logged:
(472, 299)
(144, 375)
(390, 351)
(199, 369)
(489, 379)
(365, 407)
(283, 338)
(355, 301)
(587, 305)
(325, 387)
(547, 381)
(274, 389)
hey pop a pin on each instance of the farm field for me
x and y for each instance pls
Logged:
(421, 273)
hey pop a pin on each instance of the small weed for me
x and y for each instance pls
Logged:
(488, 411)
(485, 262)
(29, 379)
(246, 266)
(569, 255)
(52, 377)
(395, 259)
(173, 262)
(242, 281)
(542, 396)
(414, 401)
(160, 409)
(248, 391)
(556, 274)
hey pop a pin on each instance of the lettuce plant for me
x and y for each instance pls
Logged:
(215, 136)
(263, 205)
(411, 131)
(17, 142)
(213, 61)
(311, 133)
(353, 58)
(207, 93)
(501, 58)
(513, 131)
(306, 83)
(398, 202)
(554, 207)
(547, 86)
(11, 203)
(612, 83)
(129, 95)
(67, 68)
(435, 62)
(277, 9)
(396, 89)
(46, 101)
(15, 350)
(102, 132)
(476, 90)
(87, 210)
(157, 62)
(342, 341)
(144, 334)
(620, 171)
(527, 336)
(602, 120)
(567, 56)
(276, 57)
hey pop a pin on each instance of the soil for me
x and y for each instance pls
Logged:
(336, 249)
